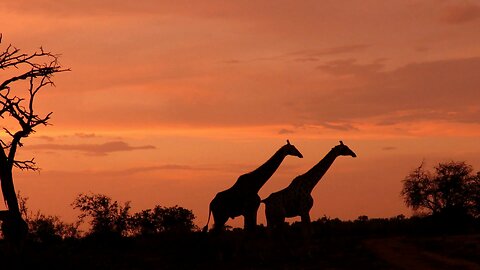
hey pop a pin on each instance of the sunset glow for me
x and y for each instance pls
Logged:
(168, 102)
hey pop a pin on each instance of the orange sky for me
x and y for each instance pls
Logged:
(169, 103)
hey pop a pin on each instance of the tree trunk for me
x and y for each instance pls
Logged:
(14, 228)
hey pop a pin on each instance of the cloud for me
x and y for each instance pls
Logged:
(405, 116)
(461, 13)
(92, 149)
(124, 173)
(339, 127)
(329, 51)
(86, 135)
(421, 49)
(179, 167)
(326, 125)
(83, 8)
(307, 59)
(389, 148)
(311, 55)
(350, 67)
(145, 169)
(178, 86)
(231, 61)
(445, 90)
(442, 90)
(285, 131)
(46, 138)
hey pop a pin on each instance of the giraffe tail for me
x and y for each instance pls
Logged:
(205, 229)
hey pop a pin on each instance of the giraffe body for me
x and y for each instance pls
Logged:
(231, 204)
(296, 199)
(242, 198)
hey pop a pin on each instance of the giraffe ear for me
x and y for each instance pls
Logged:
(288, 142)
(341, 143)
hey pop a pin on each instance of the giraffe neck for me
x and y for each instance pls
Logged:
(261, 175)
(313, 176)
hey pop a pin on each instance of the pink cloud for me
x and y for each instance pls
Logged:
(460, 13)
(92, 149)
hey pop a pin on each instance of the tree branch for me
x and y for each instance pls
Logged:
(28, 165)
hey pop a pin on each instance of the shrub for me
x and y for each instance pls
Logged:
(452, 191)
(107, 217)
(163, 219)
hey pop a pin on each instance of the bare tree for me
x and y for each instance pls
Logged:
(24, 75)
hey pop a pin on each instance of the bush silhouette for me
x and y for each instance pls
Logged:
(452, 191)
(163, 219)
(108, 218)
(45, 228)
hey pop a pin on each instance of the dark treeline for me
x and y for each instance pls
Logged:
(107, 218)
(332, 243)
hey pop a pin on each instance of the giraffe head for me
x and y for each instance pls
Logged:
(291, 150)
(343, 150)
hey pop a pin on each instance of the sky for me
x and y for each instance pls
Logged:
(168, 102)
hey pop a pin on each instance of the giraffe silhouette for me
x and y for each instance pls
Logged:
(296, 199)
(242, 198)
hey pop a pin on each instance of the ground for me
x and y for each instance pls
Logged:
(330, 245)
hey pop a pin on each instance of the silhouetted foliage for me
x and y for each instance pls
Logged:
(362, 218)
(452, 191)
(46, 228)
(163, 219)
(107, 217)
(333, 244)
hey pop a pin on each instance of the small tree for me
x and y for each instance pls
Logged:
(163, 219)
(25, 74)
(107, 217)
(177, 219)
(451, 191)
(46, 228)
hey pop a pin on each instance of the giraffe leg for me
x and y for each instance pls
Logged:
(275, 217)
(250, 221)
(250, 216)
(279, 222)
(269, 215)
(276, 227)
(305, 218)
(219, 221)
(306, 224)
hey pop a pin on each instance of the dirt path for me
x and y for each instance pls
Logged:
(400, 254)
